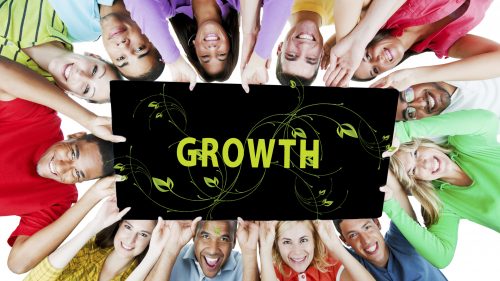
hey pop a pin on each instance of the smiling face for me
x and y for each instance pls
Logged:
(426, 163)
(365, 238)
(301, 51)
(380, 57)
(212, 46)
(83, 75)
(71, 161)
(426, 99)
(213, 243)
(132, 237)
(128, 48)
(296, 245)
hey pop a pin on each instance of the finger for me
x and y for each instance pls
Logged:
(331, 67)
(332, 76)
(192, 84)
(116, 138)
(344, 82)
(268, 63)
(381, 83)
(245, 86)
(194, 223)
(123, 213)
(339, 77)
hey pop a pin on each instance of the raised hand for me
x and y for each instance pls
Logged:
(109, 214)
(181, 71)
(399, 80)
(327, 234)
(180, 232)
(103, 187)
(267, 234)
(255, 72)
(248, 235)
(345, 58)
(101, 127)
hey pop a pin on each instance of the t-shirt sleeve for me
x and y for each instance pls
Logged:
(44, 271)
(151, 16)
(275, 14)
(397, 240)
(33, 222)
(437, 243)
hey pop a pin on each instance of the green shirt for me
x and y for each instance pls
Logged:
(472, 133)
(25, 24)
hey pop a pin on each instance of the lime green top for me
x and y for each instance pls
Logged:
(472, 133)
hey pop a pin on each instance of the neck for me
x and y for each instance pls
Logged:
(117, 8)
(457, 176)
(303, 16)
(206, 10)
(115, 264)
(43, 54)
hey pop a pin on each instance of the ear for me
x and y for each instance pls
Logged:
(92, 55)
(278, 51)
(194, 45)
(76, 135)
(377, 223)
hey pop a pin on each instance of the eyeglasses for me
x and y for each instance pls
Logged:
(410, 113)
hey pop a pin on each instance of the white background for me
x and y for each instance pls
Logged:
(476, 257)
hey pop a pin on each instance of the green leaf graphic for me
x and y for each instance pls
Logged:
(211, 182)
(124, 177)
(309, 161)
(119, 166)
(198, 154)
(326, 203)
(322, 192)
(159, 183)
(386, 137)
(347, 129)
(298, 132)
(159, 115)
(154, 104)
(293, 84)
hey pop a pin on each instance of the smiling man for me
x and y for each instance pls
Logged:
(299, 55)
(130, 50)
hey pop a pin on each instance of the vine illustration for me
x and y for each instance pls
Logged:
(222, 187)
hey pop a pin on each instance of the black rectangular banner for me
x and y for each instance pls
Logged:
(284, 153)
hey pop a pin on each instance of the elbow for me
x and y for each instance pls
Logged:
(18, 267)
(442, 262)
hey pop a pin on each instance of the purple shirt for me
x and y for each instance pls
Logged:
(152, 15)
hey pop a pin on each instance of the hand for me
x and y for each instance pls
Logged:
(267, 234)
(394, 147)
(180, 232)
(345, 58)
(247, 48)
(181, 71)
(160, 234)
(108, 214)
(327, 234)
(327, 47)
(104, 187)
(399, 80)
(248, 235)
(101, 127)
(255, 72)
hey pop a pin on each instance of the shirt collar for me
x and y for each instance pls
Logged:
(230, 264)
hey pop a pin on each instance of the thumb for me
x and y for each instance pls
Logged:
(192, 84)
(268, 63)
(116, 138)
(244, 84)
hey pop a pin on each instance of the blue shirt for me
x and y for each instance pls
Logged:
(404, 264)
(186, 268)
(81, 17)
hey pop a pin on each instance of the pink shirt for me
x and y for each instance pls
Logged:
(467, 14)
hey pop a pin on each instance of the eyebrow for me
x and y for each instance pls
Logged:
(311, 61)
(289, 58)
(77, 153)
(129, 224)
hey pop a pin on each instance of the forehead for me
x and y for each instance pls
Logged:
(298, 67)
(363, 71)
(354, 224)
(217, 228)
(141, 225)
(295, 230)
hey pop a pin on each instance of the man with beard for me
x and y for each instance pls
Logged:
(130, 51)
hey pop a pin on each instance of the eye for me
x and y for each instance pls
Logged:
(224, 239)
(367, 56)
(304, 240)
(286, 242)
(376, 71)
(87, 89)
(120, 58)
(94, 70)
(139, 49)
(78, 175)
(205, 236)
(145, 235)
(127, 226)
(352, 235)
(412, 172)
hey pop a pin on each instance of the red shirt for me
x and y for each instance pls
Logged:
(26, 131)
(311, 274)
(420, 12)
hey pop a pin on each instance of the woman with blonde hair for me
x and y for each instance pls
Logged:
(293, 250)
(460, 180)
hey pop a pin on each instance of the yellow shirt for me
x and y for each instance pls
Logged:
(86, 265)
(26, 24)
(322, 7)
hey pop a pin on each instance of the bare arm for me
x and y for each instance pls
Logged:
(267, 233)
(28, 251)
(248, 236)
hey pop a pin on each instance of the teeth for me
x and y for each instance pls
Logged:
(67, 71)
(306, 37)
(388, 55)
(211, 37)
(52, 167)
(298, 259)
(431, 102)
(372, 248)
(436, 165)
(127, 247)
(210, 261)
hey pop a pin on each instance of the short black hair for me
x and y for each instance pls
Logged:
(185, 28)
(381, 34)
(285, 78)
(337, 225)
(154, 72)
(106, 151)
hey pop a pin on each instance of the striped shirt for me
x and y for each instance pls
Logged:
(25, 24)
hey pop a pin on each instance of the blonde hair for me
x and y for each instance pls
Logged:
(423, 190)
(320, 259)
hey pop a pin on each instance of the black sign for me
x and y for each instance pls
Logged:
(285, 153)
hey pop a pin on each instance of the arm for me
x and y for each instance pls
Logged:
(474, 122)
(437, 243)
(267, 233)
(108, 214)
(347, 54)
(394, 190)
(26, 84)
(353, 269)
(479, 58)
(158, 238)
(250, 25)
(180, 232)
(28, 251)
(248, 236)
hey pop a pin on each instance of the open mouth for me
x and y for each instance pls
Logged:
(435, 165)
(372, 249)
(116, 31)
(305, 36)
(52, 166)
(211, 37)
(126, 247)
(388, 55)
(67, 71)
(297, 259)
(212, 262)
(431, 103)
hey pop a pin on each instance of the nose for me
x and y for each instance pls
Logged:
(122, 42)
(419, 103)
(212, 246)
(364, 238)
(130, 240)
(63, 166)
